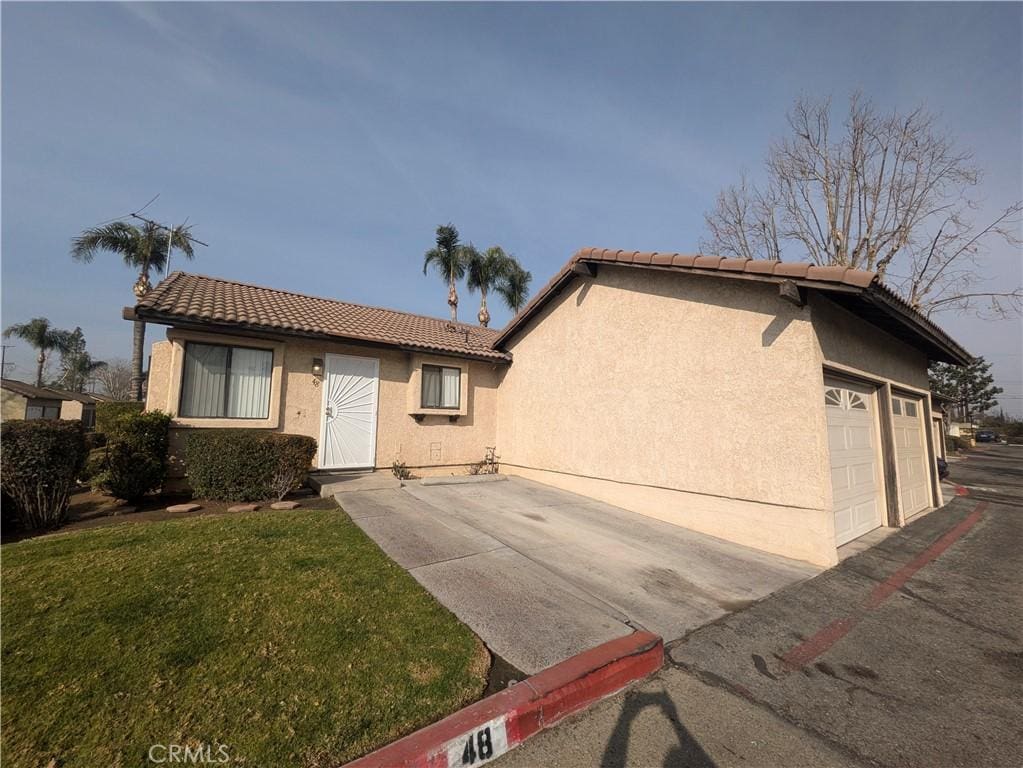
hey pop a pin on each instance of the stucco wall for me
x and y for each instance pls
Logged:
(158, 385)
(432, 445)
(13, 405)
(71, 410)
(845, 340)
(435, 441)
(698, 397)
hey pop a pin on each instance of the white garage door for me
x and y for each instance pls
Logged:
(855, 475)
(911, 455)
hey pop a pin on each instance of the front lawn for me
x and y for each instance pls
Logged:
(286, 636)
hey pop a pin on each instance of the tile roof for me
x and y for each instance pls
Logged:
(183, 297)
(45, 393)
(876, 301)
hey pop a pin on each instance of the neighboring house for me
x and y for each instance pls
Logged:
(781, 406)
(25, 401)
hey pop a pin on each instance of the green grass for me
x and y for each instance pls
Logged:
(289, 637)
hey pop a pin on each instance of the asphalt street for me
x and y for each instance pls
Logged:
(906, 654)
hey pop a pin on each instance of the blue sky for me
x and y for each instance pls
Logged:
(315, 147)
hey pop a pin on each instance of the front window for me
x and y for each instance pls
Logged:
(226, 382)
(441, 387)
(33, 412)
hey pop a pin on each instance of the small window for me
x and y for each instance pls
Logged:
(441, 387)
(856, 402)
(833, 397)
(896, 406)
(911, 408)
(222, 382)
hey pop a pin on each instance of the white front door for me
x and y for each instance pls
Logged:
(855, 475)
(349, 433)
(911, 455)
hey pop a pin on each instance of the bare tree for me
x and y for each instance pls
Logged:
(116, 379)
(888, 192)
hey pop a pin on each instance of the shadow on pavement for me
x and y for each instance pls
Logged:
(688, 753)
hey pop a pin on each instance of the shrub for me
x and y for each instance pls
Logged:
(400, 470)
(247, 464)
(39, 465)
(135, 462)
(108, 412)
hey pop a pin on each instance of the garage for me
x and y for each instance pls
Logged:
(910, 455)
(855, 464)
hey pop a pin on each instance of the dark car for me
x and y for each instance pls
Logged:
(942, 468)
(986, 436)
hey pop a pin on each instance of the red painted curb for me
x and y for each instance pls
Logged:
(489, 728)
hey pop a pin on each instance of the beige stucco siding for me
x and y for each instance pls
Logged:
(13, 405)
(846, 341)
(432, 444)
(434, 441)
(698, 397)
(71, 410)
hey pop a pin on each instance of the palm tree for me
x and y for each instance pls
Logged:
(513, 286)
(143, 248)
(448, 259)
(485, 271)
(42, 336)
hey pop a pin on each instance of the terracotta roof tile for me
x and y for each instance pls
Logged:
(186, 297)
(733, 265)
(790, 269)
(708, 262)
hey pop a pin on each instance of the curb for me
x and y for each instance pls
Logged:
(489, 728)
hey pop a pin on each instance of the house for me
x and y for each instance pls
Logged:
(781, 406)
(25, 401)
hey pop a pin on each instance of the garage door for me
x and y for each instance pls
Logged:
(855, 475)
(911, 455)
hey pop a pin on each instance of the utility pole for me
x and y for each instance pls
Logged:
(3, 358)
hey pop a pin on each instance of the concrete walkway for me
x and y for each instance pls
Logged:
(541, 574)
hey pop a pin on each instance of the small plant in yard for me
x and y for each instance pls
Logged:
(400, 471)
(134, 460)
(247, 464)
(488, 466)
(39, 466)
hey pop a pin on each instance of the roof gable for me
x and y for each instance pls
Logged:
(857, 290)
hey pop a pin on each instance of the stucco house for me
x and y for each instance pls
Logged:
(25, 401)
(781, 406)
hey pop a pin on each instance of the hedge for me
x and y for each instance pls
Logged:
(247, 464)
(135, 458)
(108, 414)
(39, 465)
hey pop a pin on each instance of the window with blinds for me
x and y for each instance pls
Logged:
(222, 382)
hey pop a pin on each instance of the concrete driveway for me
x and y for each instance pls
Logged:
(909, 654)
(541, 574)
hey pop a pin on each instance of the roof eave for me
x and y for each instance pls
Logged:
(939, 346)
